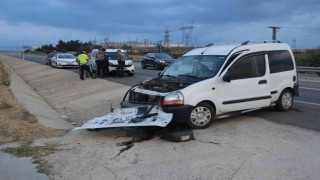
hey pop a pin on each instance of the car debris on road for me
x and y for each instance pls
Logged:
(130, 117)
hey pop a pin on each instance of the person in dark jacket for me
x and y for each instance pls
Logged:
(98, 61)
(105, 63)
(121, 63)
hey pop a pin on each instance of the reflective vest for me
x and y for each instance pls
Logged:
(83, 58)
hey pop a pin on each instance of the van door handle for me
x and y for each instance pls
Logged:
(263, 82)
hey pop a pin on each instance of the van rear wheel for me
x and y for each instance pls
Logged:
(284, 103)
(201, 116)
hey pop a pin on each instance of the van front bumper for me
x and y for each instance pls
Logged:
(181, 113)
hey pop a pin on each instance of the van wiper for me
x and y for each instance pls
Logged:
(169, 76)
(190, 76)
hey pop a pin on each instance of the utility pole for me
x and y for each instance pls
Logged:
(187, 34)
(294, 45)
(106, 40)
(160, 47)
(166, 38)
(274, 32)
(145, 42)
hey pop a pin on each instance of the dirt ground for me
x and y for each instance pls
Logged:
(16, 124)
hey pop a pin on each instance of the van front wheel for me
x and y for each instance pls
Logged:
(201, 116)
(285, 100)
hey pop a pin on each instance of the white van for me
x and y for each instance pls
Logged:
(216, 80)
(113, 61)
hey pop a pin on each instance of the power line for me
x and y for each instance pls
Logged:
(302, 27)
(187, 34)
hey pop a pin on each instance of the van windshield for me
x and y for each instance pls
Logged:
(198, 67)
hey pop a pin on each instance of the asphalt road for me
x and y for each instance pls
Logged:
(305, 112)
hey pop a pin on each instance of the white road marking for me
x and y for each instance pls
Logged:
(310, 88)
(308, 80)
(307, 103)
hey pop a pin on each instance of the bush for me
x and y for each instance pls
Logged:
(309, 58)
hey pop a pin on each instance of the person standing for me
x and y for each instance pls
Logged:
(99, 62)
(105, 62)
(121, 63)
(83, 61)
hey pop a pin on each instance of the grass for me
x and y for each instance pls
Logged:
(4, 76)
(37, 153)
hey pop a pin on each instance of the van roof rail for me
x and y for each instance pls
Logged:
(259, 42)
(213, 44)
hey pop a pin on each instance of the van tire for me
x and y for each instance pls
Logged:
(201, 116)
(284, 103)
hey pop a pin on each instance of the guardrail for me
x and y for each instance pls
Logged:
(308, 69)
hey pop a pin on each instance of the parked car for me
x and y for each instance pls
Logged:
(64, 60)
(48, 58)
(156, 60)
(113, 61)
(234, 78)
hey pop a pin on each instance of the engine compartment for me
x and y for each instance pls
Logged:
(157, 85)
(163, 86)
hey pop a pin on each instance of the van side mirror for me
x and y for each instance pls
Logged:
(227, 77)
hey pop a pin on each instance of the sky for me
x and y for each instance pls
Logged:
(41, 22)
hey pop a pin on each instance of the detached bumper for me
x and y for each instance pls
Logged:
(129, 117)
(180, 112)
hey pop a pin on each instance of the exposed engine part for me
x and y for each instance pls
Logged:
(163, 86)
(135, 97)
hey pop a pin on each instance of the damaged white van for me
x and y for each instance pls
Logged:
(216, 80)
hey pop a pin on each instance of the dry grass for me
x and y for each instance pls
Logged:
(19, 126)
(135, 57)
(16, 124)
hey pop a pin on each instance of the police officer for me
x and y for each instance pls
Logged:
(83, 61)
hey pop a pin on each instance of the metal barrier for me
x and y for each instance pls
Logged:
(308, 69)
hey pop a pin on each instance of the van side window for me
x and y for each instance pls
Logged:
(249, 67)
(232, 58)
(280, 61)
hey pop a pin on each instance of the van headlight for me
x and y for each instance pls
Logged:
(175, 98)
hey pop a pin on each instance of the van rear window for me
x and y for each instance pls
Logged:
(280, 61)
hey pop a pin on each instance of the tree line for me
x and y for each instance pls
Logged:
(69, 46)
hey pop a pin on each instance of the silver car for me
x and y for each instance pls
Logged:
(60, 60)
